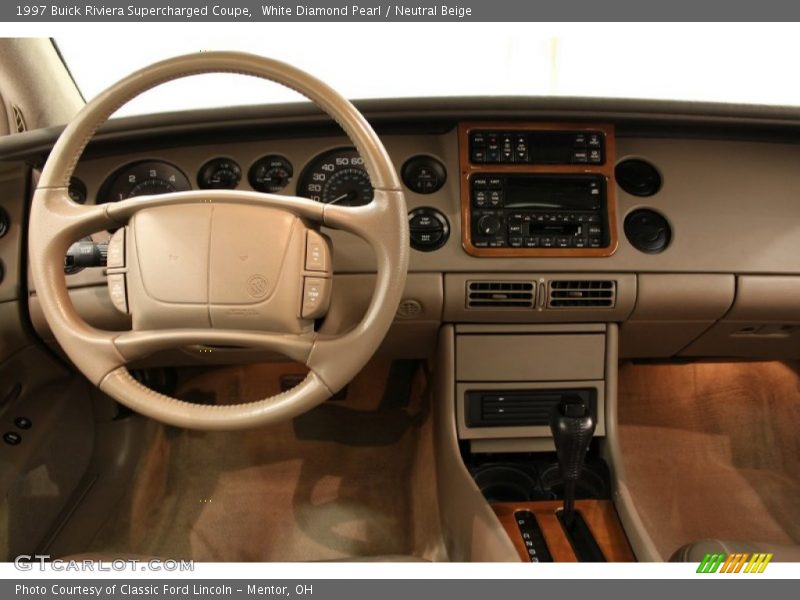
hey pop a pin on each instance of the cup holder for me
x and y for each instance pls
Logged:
(535, 480)
(590, 485)
(506, 483)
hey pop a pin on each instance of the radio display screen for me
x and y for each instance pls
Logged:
(554, 192)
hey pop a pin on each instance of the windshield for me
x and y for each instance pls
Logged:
(705, 62)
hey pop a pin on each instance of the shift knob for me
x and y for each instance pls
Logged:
(573, 426)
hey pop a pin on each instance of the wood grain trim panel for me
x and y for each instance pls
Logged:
(600, 516)
(467, 169)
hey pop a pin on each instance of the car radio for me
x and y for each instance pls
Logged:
(538, 211)
(537, 189)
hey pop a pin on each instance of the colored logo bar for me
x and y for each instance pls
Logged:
(740, 562)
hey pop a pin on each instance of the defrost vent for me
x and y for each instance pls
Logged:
(501, 294)
(582, 294)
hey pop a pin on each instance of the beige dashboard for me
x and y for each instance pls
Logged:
(727, 284)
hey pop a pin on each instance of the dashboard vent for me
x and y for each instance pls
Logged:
(501, 294)
(582, 294)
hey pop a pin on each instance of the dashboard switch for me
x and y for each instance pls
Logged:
(424, 174)
(115, 256)
(316, 297)
(317, 253)
(117, 291)
(429, 229)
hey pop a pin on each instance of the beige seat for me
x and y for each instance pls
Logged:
(696, 551)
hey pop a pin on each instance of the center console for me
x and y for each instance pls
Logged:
(537, 189)
(528, 361)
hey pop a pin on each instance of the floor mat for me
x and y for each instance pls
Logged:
(350, 478)
(712, 450)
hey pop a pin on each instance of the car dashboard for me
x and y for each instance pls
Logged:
(677, 222)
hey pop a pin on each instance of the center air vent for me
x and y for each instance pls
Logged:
(501, 294)
(582, 294)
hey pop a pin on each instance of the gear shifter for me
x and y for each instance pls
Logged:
(573, 426)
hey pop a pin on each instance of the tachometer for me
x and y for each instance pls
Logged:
(336, 177)
(143, 178)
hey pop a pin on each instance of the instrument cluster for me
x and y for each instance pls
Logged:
(335, 176)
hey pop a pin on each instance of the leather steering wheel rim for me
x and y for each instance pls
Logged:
(56, 222)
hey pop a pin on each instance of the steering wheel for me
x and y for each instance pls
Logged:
(218, 267)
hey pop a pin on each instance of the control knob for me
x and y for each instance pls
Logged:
(489, 225)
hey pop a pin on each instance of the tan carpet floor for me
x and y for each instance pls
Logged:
(713, 450)
(351, 478)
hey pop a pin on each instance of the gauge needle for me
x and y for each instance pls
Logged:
(340, 198)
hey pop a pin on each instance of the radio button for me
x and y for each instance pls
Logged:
(531, 242)
(547, 241)
(495, 183)
(515, 242)
(580, 156)
(480, 199)
(594, 242)
(495, 198)
(595, 230)
(580, 140)
(580, 243)
(595, 156)
(478, 139)
(595, 140)
(563, 242)
(479, 183)
(514, 229)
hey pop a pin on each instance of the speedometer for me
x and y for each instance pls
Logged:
(336, 177)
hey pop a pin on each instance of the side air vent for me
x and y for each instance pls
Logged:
(582, 294)
(19, 119)
(501, 294)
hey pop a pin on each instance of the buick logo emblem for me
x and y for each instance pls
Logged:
(257, 286)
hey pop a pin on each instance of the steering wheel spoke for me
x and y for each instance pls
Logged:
(135, 345)
(120, 212)
(65, 220)
(367, 221)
